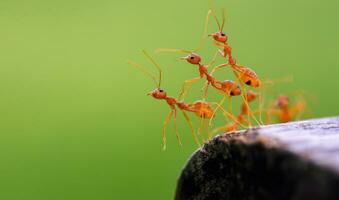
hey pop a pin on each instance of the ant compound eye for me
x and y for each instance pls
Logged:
(160, 90)
(223, 34)
(192, 57)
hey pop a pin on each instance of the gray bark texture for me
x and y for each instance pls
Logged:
(298, 161)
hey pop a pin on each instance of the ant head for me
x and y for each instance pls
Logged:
(250, 95)
(282, 101)
(192, 58)
(158, 94)
(219, 36)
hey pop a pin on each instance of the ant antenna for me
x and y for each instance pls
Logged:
(142, 69)
(223, 18)
(213, 13)
(156, 65)
(159, 50)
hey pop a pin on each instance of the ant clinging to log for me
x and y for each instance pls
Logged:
(201, 108)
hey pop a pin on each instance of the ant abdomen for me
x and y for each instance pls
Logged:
(230, 88)
(203, 109)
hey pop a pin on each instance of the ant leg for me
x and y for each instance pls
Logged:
(298, 110)
(216, 130)
(200, 122)
(164, 129)
(228, 115)
(230, 110)
(261, 104)
(187, 83)
(249, 111)
(215, 110)
(264, 113)
(226, 129)
(213, 59)
(217, 68)
(176, 128)
(222, 53)
(196, 140)
(244, 120)
(244, 97)
(202, 125)
(205, 89)
(204, 35)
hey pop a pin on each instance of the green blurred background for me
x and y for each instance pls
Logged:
(74, 119)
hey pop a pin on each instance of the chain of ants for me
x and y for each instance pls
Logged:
(203, 109)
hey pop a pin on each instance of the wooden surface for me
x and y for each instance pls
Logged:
(317, 140)
(298, 160)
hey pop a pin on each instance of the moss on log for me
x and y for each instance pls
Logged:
(298, 160)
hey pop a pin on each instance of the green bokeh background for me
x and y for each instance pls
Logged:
(74, 119)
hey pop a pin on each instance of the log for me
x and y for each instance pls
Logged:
(298, 160)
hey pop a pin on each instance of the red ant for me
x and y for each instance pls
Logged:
(201, 108)
(284, 111)
(219, 37)
(248, 76)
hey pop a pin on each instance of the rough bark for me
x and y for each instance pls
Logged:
(298, 160)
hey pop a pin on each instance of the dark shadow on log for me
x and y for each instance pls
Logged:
(252, 165)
